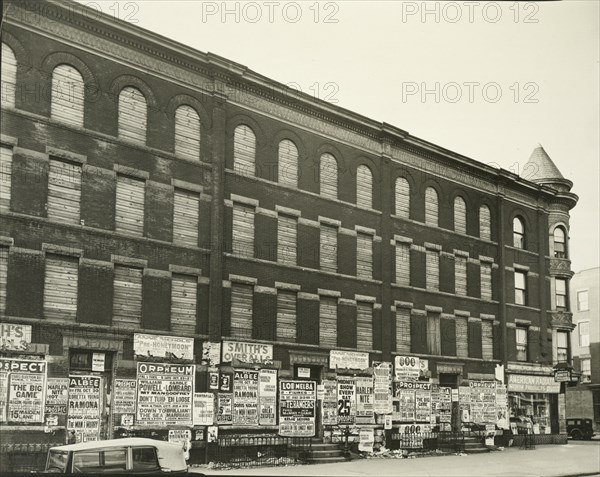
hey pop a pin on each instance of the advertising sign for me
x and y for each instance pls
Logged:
(532, 384)
(423, 405)
(84, 410)
(226, 382)
(382, 388)
(245, 397)
(297, 400)
(483, 401)
(14, 337)
(224, 408)
(246, 352)
(98, 361)
(366, 439)
(180, 436)
(406, 404)
(329, 404)
(411, 435)
(348, 360)
(204, 409)
(267, 393)
(124, 396)
(3, 395)
(165, 394)
(364, 401)
(211, 353)
(464, 403)
(213, 382)
(24, 383)
(346, 401)
(501, 406)
(57, 393)
(407, 368)
(157, 346)
(445, 405)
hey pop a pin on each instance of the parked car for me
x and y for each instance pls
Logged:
(580, 428)
(133, 455)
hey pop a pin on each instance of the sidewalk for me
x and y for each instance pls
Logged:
(547, 461)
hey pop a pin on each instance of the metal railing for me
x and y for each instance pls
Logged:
(24, 457)
(442, 440)
(250, 451)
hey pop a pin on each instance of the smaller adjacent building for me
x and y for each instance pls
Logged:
(583, 400)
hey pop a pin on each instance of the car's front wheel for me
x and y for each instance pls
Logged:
(576, 434)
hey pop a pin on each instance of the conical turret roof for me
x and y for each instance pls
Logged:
(540, 168)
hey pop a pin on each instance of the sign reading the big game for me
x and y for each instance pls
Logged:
(245, 397)
(348, 360)
(24, 384)
(84, 407)
(246, 352)
(165, 394)
(157, 346)
(297, 401)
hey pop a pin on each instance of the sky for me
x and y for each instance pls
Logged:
(489, 80)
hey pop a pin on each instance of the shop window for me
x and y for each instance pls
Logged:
(584, 333)
(328, 176)
(60, 287)
(286, 315)
(560, 249)
(132, 115)
(287, 231)
(244, 150)
(520, 288)
(582, 300)
(186, 206)
(328, 252)
(364, 255)
(364, 326)
(562, 347)
(241, 310)
(561, 294)
(530, 412)
(432, 270)
(187, 133)
(434, 334)
(460, 275)
(402, 198)
(6, 159)
(364, 187)
(521, 338)
(242, 239)
(127, 299)
(485, 278)
(287, 170)
(586, 370)
(403, 330)
(129, 206)
(64, 192)
(431, 206)
(9, 76)
(460, 215)
(403, 264)
(67, 95)
(518, 233)
(485, 227)
(328, 321)
(184, 291)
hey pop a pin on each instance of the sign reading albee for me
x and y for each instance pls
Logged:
(246, 352)
(157, 346)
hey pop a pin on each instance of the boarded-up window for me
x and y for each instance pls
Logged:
(462, 337)
(60, 287)
(486, 280)
(403, 330)
(243, 230)
(487, 339)
(460, 215)
(288, 163)
(286, 315)
(241, 310)
(129, 217)
(432, 270)
(364, 326)
(364, 187)
(328, 322)
(187, 133)
(460, 275)
(328, 252)
(6, 155)
(364, 255)
(3, 277)
(184, 290)
(485, 225)
(431, 206)
(328, 175)
(402, 198)
(185, 217)
(244, 150)
(434, 333)
(403, 264)
(64, 192)
(287, 228)
(9, 76)
(127, 301)
(132, 115)
(67, 95)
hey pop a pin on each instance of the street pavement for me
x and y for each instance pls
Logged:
(574, 458)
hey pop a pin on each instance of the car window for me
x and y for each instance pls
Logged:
(144, 458)
(57, 461)
(100, 461)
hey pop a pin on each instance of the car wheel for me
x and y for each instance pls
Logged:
(576, 434)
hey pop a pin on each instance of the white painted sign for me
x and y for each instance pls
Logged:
(14, 337)
(366, 439)
(98, 361)
(267, 397)
(204, 409)
(246, 352)
(158, 346)
(348, 360)
(407, 368)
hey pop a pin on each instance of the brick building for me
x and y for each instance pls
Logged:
(149, 188)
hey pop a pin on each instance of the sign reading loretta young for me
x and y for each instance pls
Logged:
(297, 401)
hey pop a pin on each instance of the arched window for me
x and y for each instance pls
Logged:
(328, 176)
(288, 163)
(364, 187)
(9, 76)
(187, 133)
(244, 150)
(132, 115)
(67, 95)
(485, 224)
(518, 233)
(431, 206)
(402, 197)
(560, 243)
(460, 215)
